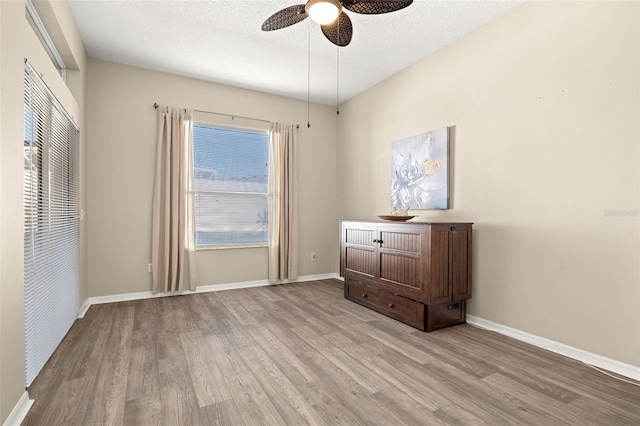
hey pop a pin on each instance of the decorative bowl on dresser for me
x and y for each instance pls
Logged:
(417, 273)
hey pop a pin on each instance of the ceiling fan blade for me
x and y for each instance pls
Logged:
(340, 31)
(373, 7)
(284, 18)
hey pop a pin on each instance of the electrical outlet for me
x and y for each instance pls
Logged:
(150, 267)
(313, 256)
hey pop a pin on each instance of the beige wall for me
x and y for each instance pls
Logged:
(18, 42)
(122, 138)
(545, 107)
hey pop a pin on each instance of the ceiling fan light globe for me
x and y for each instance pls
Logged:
(323, 12)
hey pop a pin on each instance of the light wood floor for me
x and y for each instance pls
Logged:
(301, 354)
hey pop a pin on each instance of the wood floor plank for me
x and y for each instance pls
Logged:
(451, 354)
(402, 374)
(504, 350)
(359, 400)
(394, 342)
(586, 381)
(453, 414)
(293, 409)
(241, 315)
(287, 337)
(340, 324)
(206, 378)
(107, 398)
(295, 370)
(255, 406)
(353, 367)
(225, 355)
(406, 407)
(471, 394)
(143, 411)
(67, 405)
(512, 389)
(167, 340)
(599, 389)
(179, 401)
(225, 413)
(595, 411)
(142, 380)
(538, 383)
(245, 295)
(302, 354)
(145, 311)
(328, 405)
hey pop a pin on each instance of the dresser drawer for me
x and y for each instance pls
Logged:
(440, 316)
(408, 311)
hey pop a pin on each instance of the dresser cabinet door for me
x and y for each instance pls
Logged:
(358, 257)
(401, 259)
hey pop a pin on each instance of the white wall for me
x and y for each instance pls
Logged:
(18, 42)
(545, 107)
(121, 156)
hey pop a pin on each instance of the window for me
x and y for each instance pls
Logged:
(230, 186)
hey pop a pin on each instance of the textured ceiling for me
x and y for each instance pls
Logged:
(221, 41)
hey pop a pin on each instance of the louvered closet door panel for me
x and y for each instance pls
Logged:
(51, 224)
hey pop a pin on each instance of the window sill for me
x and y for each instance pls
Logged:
(205, 248)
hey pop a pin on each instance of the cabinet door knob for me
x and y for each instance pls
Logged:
(364, 294)
(391, 305)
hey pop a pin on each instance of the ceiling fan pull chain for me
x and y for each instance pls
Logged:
(338, 74)
(309, 74)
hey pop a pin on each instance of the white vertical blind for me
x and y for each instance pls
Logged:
(51, 223)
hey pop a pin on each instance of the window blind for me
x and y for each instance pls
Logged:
(51, 223)
(230, 185)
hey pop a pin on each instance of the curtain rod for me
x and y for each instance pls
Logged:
(156, 106)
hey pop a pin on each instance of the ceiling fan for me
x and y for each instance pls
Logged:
(335, 24)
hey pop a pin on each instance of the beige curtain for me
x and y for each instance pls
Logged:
(173, 245)
(283, 204)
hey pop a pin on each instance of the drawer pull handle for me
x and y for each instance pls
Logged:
(378, 241)
(453, 306)
(453, 228)
(391, 305)
(364, 294)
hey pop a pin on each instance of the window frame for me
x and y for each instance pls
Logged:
(218, 124)
(45, 39)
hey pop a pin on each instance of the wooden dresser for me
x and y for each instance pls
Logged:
(417, 273)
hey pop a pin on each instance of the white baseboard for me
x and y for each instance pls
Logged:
(595, 360)
(20, 411)
(199, 289)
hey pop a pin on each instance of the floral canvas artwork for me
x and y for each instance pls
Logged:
(420, 171)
